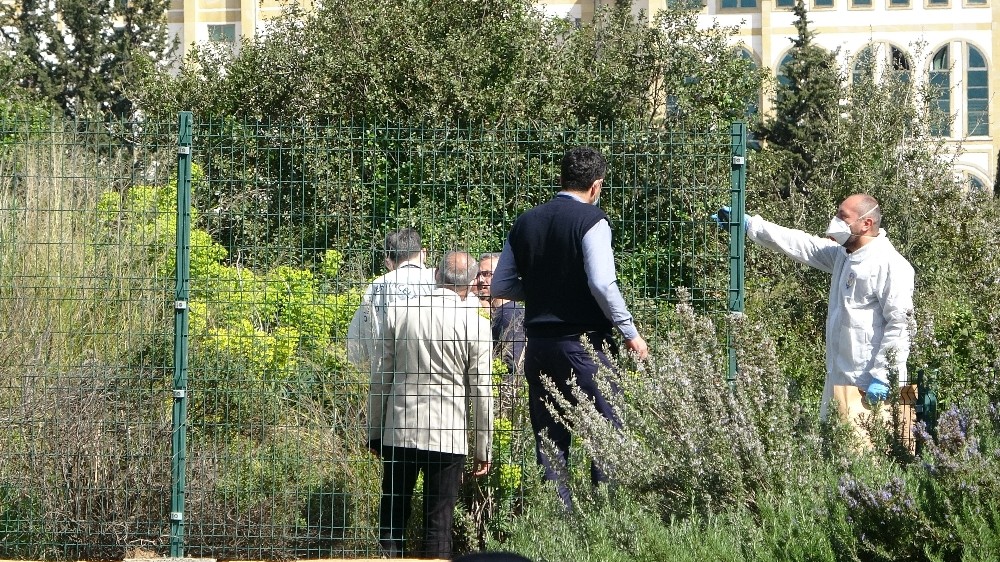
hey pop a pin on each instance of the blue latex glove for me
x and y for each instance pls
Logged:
(877, 392)
(723, 217)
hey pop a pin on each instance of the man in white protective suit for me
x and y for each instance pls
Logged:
(870, 308)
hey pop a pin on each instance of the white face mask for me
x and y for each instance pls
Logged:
(840, 230)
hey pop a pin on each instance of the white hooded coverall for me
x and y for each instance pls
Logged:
(870, 307)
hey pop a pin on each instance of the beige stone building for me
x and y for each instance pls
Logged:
(199, 21)
(950, 43)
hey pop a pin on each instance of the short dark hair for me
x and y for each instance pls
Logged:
(581, 167)
(458, 269)
(402, 245)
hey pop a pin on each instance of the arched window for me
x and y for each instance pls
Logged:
(972, 182)
(782, 79)
(882, 59)
(976, 185)
(940, 94)
(977, 94)
(899, 62)
(753, 105)
(864, 65)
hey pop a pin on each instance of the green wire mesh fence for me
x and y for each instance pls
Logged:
(285, 230)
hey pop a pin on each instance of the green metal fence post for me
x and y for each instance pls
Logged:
(927, 403)
(179, 438)
(737, 236)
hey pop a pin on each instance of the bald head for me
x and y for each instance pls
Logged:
(863, 217)
(862, 205)
(457, 272)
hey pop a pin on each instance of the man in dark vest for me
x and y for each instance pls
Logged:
(558, 260)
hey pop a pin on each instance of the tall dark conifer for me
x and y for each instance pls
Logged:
(807, 103)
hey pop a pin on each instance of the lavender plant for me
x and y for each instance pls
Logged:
(753, 470)
(689, 444)
(943, 507)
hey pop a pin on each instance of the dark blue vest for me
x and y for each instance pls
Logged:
(547, 242)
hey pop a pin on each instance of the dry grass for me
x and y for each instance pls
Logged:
(67, 295)
(82, 401)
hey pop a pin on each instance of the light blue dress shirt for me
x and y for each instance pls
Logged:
(598, 263)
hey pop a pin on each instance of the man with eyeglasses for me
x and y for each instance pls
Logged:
(507, 324)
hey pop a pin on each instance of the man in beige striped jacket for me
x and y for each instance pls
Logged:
(436, 357)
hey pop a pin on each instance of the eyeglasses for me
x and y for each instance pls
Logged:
(485, 274)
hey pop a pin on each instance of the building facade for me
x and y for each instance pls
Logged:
(949, 44)
(219, 21)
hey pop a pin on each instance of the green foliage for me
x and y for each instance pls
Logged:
(490, 504)
(237, 484)
(314, 143)
(19, 109)
(252, 332)
(294, 296)
(330, 266)
(74, 52)
(617, 529)
(284, 299)
(257, 473)
(22, 528)
(796, 524)
(146, 216)
(290, 193)
(497, 61)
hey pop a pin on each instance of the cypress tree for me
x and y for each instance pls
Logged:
(806, 105)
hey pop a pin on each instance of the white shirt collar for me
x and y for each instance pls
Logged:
(571, 194)
(411, 263)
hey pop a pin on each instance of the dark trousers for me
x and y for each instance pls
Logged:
(442, 477)
(560, 359)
